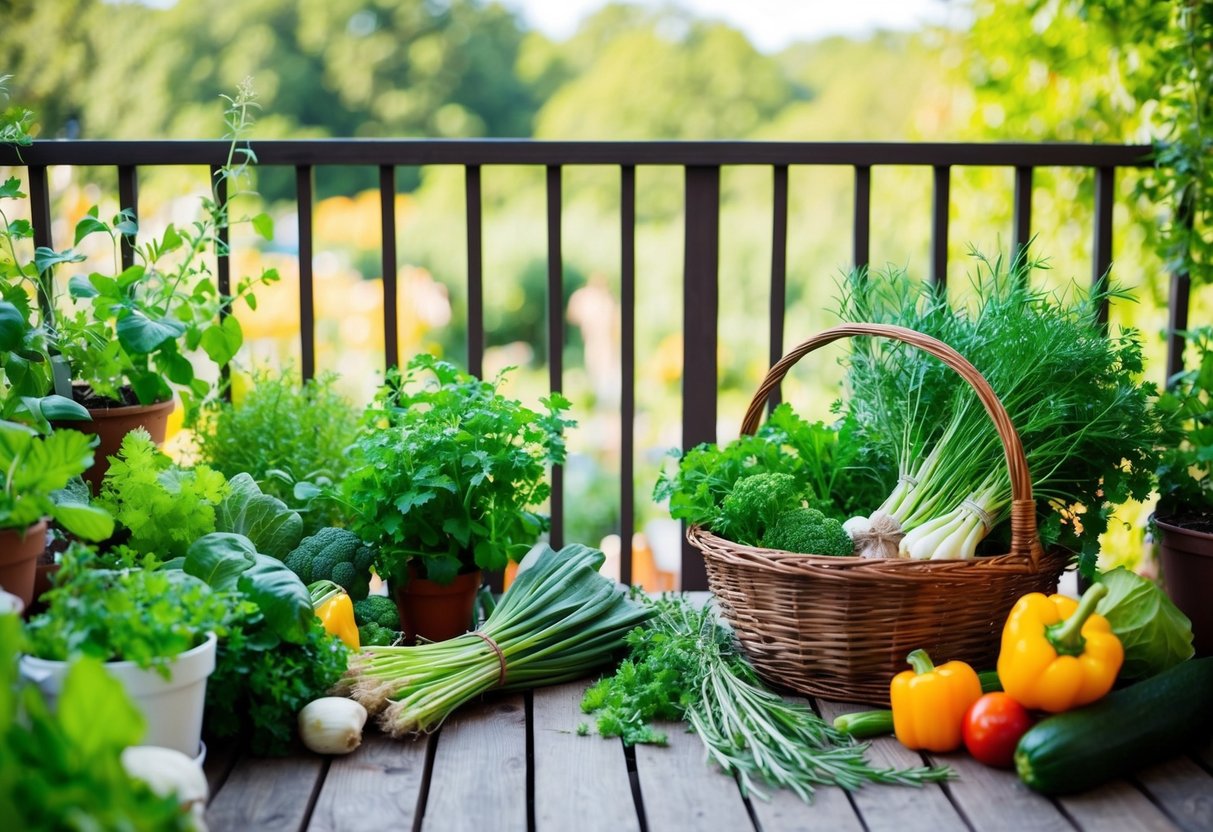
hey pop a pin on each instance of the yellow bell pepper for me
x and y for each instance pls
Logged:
(335, 610)
(1057, 653)
(929, 703)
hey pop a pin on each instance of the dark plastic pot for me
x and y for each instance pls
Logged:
(1187, 575)
(434, 611)
(19, 551)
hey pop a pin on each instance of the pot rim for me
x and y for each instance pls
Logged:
(211, 643)
(1173, 528)
(128, 409)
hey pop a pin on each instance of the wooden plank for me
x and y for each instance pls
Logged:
(898, 808)
(574, 774)
(996, 799)
(267, 795)
(220, 760)
(1183, 789)
(831, 809)
(376, 788)
(478, 779)
(1116, 805)
(680, 790)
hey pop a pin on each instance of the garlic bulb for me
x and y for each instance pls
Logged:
(332, 725)
(168, 771)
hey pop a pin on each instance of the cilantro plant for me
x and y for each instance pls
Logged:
(446, 471)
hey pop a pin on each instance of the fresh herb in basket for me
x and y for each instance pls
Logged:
(684, 665)
(1073, 391)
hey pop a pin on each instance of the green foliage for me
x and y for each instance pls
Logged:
(754, 504)
(833, 467)
(446, 471)
(165, 507)
(1154, 632)
(291, 438)
(335, 555)
(138, 615)
(377, 609)
(1185, 472)
(261, 683)
(272, 527)
(373, 634)
(808, 532)
(63, 770)
(33, 468)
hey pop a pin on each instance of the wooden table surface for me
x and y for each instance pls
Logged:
(515, 762)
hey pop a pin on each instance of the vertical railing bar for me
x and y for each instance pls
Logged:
(128, 197)
(941, 195)
(700, 309)
(1180, 299)
(861, 241)
(1022, 231)
(555, 335)
(223, 267)
(779, 271)
(1101, 256)
(387, 210)
(304, 189)
(627, 393)
(475, 336)
(40, 218)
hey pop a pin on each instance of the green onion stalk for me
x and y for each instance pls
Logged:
(558, 621)
(1072, 390)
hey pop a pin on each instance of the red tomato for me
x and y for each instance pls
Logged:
(992, 728)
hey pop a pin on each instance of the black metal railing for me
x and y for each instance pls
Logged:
(702, 163)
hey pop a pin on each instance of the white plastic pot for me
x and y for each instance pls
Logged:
(172, 706)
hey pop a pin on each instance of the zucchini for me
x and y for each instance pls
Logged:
(1126, 730)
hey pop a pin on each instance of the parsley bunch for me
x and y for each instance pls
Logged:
(448, 471)
(684, 665)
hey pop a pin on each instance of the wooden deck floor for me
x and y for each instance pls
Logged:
(514, 762)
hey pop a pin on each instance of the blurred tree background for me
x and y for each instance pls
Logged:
(1034, 70)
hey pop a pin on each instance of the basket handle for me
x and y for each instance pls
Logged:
(1024, 541)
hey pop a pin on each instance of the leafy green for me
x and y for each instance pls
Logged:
(1185, 472)
(274, 528)
(446, 471)
(1152, 630)
(165, 507)
(684, 665)
(291, 437)
(33, 468)
(63, 771)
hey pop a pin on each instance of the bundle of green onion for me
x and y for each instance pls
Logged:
(559, 620)
(1072, 389)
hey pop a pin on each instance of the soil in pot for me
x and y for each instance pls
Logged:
(19, 551)
(113, 420)
(1186, 549)
(434, 611)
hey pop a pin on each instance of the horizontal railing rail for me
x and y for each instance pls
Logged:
(702, 162)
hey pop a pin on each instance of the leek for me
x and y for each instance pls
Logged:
(558, 621)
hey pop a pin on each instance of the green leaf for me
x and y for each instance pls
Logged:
(11, 189)
(130, 277)
(442, 568)
(125, 222)
(89, 522)
(1154, 633)
(80, 286)
(20, 229)
(281, 595)
(105, 285)
(263, 224)
(12, 326)
(170, 241)
(51, 461)
(272, 527)
(222, 341)
(89, 225)
(46, 258)
(149, 387)
(95, 713)
(140, 335)
(219, 559)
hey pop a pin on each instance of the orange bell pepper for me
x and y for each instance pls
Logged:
(929, 703)
(1057, 653)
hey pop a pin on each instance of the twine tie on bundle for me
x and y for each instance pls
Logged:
(497, 650)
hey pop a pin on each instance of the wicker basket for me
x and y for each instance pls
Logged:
(842, 627)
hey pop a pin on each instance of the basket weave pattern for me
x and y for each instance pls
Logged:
(842, 627)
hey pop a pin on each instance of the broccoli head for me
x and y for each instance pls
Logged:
(377, 609)
(755, 503)
(335, 555)
(808, 532)
(372, 635)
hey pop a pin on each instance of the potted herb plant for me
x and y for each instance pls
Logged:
(445, 477)
(1184, 516)
(155, 630)
(33, 468)
(130, 339)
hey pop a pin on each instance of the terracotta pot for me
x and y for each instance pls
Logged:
(436, 612)
(1187, 575)
(112, 424)
(19, 551)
